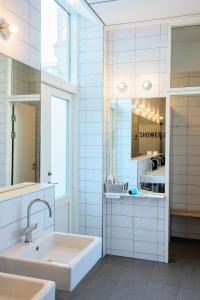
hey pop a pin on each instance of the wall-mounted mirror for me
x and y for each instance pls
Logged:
(148, 126)
(19, 122)
(137, 133)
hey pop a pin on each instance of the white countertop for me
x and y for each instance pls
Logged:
(22, 189)
(142, 194)
(156, 176)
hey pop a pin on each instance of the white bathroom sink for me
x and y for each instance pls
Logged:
(63, 258)
(14, 287)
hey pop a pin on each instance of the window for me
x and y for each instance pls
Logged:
(185, 63)
(60, 144)
(56, 39)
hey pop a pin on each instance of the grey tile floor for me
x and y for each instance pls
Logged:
(118, 278)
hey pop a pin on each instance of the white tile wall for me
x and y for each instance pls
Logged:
(135, 228)
(25, 44)
(13, 216)
(136, 55)
(90, 127)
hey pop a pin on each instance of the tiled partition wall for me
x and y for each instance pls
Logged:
(90, 96)
(135, 54)
(136, 228)
(13, 215)
(185, 163)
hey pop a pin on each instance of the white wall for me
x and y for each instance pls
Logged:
(136, 55)
(90, 98)
(25, 44)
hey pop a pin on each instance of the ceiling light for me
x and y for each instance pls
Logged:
(7, 29)
(122, 87)
(147, 85)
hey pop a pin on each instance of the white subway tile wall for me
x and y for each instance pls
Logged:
(25, 44)
(91, 115)
(136, 55)
(185, 163)
(135, 228)
(13, 216)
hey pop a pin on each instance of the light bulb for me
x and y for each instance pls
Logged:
(147, 85)
(13, 28)
(122, 86)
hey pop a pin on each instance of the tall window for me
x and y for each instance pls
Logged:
(56, 39)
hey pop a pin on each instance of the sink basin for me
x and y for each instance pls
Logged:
(63, 258)
(14, 287)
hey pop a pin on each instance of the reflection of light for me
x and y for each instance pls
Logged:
(122, 87)
(161, 118)
(141, 106)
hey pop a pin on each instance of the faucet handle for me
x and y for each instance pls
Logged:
(30, 228)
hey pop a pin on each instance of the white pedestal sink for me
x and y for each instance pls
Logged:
(63, 258)
(14, 287)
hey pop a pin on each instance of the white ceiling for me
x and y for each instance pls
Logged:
(125, 11)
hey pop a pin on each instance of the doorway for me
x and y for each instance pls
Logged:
(56, 151)
(184, 173)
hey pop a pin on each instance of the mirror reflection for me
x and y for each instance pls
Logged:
(137, 142)
(19, 122)
(147, 127)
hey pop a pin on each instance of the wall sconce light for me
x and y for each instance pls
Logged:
(122, 87)
(147, 85)
(7, 29)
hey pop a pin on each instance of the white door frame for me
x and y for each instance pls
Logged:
(47, 91)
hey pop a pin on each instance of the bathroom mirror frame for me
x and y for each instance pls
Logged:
(20, 93)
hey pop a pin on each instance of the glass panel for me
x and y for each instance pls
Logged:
(185, 62)
(55, 39)
(59, 144)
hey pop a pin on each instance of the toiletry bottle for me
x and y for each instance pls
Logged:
(110, 179)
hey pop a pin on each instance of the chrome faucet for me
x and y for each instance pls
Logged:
(30, 228)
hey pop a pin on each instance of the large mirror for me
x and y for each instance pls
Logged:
(137, 133)
(148, 126)
(19, 122)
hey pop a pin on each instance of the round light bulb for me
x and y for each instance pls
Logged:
(122, 86)
(147, 85)
(13, 28)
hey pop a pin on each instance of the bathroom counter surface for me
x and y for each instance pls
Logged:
(143, 194)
